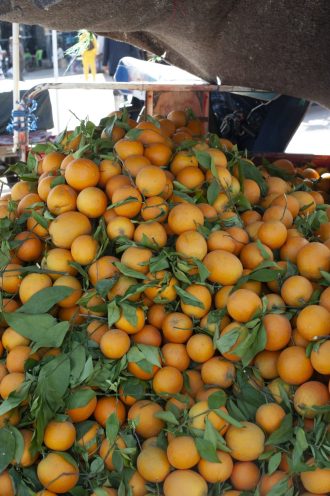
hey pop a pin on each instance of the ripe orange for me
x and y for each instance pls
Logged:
(251, 255)
(143, 414)
(10, 383)
(245, 476)
(278, 331)
(102, 268)
(251, 191)
(29, 246)
(320, 358)
(316, 481)
(313, 322)
(216, 472)
(84, 249)
(28, 203)
(108, 168)
(62, 198)
(167, 380)
(219, 372)
(96, 330)
(106, 405)
(67, 227)
(149, 334)
(287, 201)
(59, 436)
(306, 202)
(221, 240)
(82, 173)
(185, 217)
(120, 226)
(185, 483)
(21, 189)
(134, 163)
(273, 234)
(16, 358)
(10, 278)
(182, 452)
(31, 284)
(57, 262)
(92, 202)
(129, 201)
(124, 148)
(203, 296)
(293, 365)
(116, 182)
(52, 161)
(81, 413)
(159, 154)
(296, 291)
(309, 395)
(177, 327)
(121, 286)
(266, 363)
(165, 288)
(152, 233)
(154, 208)
(115, 344)
(267, 481)
(200, 348)
(243, 305)
(56, 473)
(107, 451)
(224, 267)
(7, 484)
(269, 417)
(152, 464)
(313, 258)
(246, 443)
(276, 212)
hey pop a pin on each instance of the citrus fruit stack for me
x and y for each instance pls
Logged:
(165, 317)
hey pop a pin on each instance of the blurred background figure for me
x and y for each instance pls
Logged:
(114, 50)
(2, 56)
(21, 56)
(99, 56)
(88, 52)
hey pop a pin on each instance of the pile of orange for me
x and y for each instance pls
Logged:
(165, 318)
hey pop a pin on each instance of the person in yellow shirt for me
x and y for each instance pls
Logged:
(88, 53)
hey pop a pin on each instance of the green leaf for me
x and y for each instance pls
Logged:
(250, 171)
(77, 360)
(150, 353)
(206, 450)
(264, 253)
(213, 191)
(202, 270)
(204, 159)
(128, 272)
(113, 313)
(15, 398)
(57, 180)
(325, 275)
(8, 448)
(104, 285)
(134, 387)
(210, 433)
(228, 418)
(227, 341)
(217, 399)
(187, 298)
(167, 416)
(129, 312)
(42, 329)
(80, 398)
(54, 376)
(40, 219)
(45, 299)
(254, 342)
(265, 275)
(284, 433)
(274, 462)
(154, 121)
(133, 134)
(112, 427)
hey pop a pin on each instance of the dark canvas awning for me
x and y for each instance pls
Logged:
(278, 45)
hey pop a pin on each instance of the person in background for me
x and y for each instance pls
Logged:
(88, 52)
(114, 50)
(99, 55)
(2, 54)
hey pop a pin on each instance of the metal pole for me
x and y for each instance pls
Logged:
(56, 74)
(15, 56)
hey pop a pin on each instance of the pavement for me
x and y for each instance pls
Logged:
(312, 136)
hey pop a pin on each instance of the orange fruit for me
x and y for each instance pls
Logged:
(115, 344)
(137, 258)
(149, 334)
(309, 395)
(177, 327)
(200, 412)
(320, 358)
(246, 443)
(278, 331)
(62, 198)
(108, 168)
(27, 459)
(296, 291)
(293, 365)
(185, 217)
(243, 305)
(218, 372)
(156, 315)
(129, 199)
(277, 212)
(116, 182)
(181, 160)
(7, 484)
(16, 358)
(67, 227)
(200, 348)
(273, 234)
(306, 202)
(165, 288)
(10, 278)
(276, 185)
(102, 268)
(191, 177)
(89, 441)
(120, 226)
(56, 473)
(287, 201)
(185, 483)
(21, 189)
(313, 258)
(57, 262)
(11, 382)
(290, 249)
(154, 208)
(151, 233)
(120, 288)
(221, 240)
(251, 191)
(203, 296)
(125, 325)
(191, 244)
(33, 226)
(29, 203)
(270, 416)
(31, 284)
(137, 484)
(182, 452)
(167, 380)
(134, 163)
(216, 472)
(124, 148)
(266, 363)
(106, 406)
(245, 476)
(96, 330)
(224, 267)
(152, 464)
(317, 481)
(82, 173)
(143, 414)
(59, 436)
(81, 413)
(107, 451)
(92, 202)
(252, 255)
(29, 246)
(84, 249)
(159, 154)
(151, 180)
(268, 482)
(313, 322)
(52, 161)
(239, 236)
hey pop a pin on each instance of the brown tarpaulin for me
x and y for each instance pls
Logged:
(278, 45)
